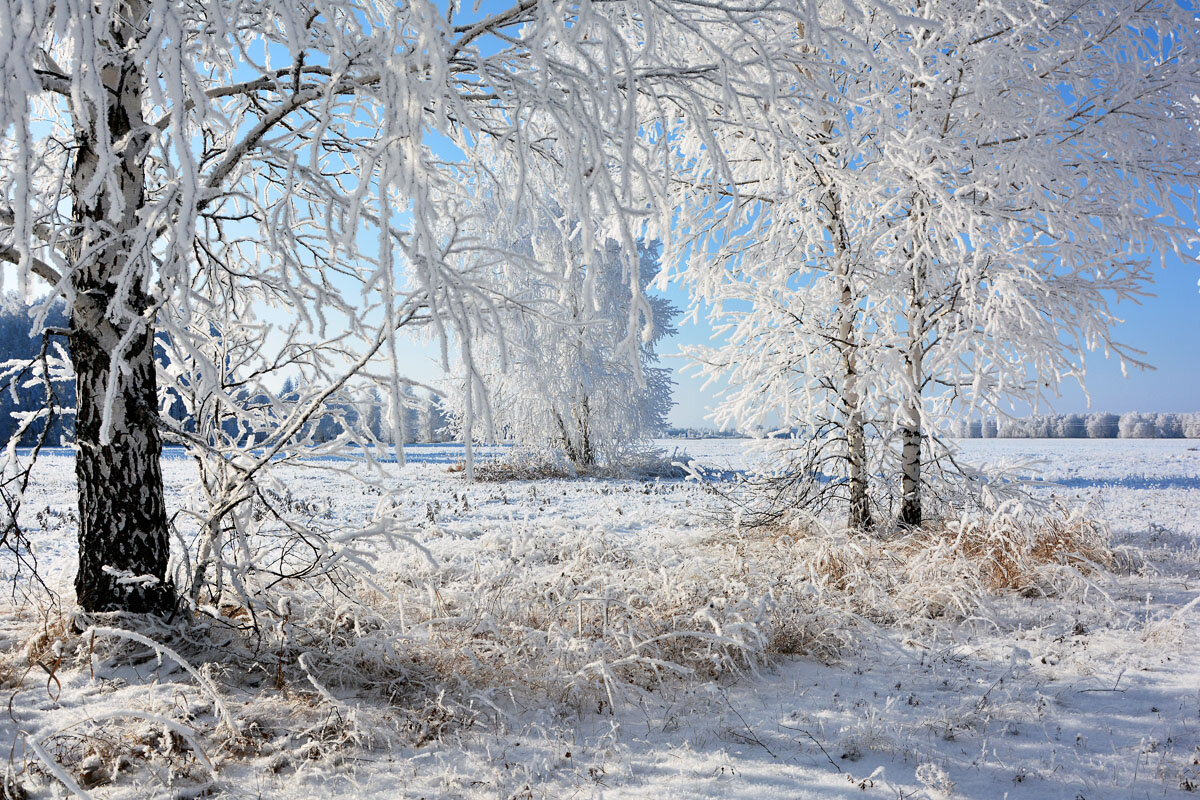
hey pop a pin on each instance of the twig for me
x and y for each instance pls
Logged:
(752, 738)
(814, 741)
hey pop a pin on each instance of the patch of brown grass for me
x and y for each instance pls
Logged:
(1009, 550)
(36, 650)
(524, 470)
(948, 567)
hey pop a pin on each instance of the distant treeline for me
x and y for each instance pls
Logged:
(23, 393)
(1131, 425)
(701, 433)
(425, 419)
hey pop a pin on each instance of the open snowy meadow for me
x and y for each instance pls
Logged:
(248, 249)
(622, 639)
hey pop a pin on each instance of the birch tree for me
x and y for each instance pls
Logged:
(1011, 170)
(311, 161)
(790, 304)
(1026, 200)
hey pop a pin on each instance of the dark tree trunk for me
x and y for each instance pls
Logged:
(122, 514)
(587, 454)
(910, 481)
(850, 398)
(912, 427)
(860, 503)
(123, 535)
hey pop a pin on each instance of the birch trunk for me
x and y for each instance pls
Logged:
(859, 516)
(123, 538)
(856, 440)
(910, 481)
(911, 424)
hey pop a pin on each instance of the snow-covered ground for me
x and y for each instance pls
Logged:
(1095, 694)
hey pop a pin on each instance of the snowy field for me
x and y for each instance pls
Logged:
(1091, 694)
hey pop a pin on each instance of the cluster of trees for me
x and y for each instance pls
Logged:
(24, 410)
(939, 232)
(899, 214)
(1130, 425)
(702, 433)
(423, 418)
(550, 371)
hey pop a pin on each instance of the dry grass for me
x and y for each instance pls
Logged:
(1012, 550)
(504, 470)
(40, 650)
(584, 619)
(579, 620)
(535, 465)
(952, 567)
(570, 620)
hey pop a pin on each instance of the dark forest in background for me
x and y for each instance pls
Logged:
(21, 389)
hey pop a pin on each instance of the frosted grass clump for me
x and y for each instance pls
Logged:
(955, 568)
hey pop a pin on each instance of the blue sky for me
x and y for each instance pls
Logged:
(1166, 327)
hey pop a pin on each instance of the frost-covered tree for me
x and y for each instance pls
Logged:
(1026, 190)
(429, 421)
(784, 257)
(1169, 426)
(307, 166)
(558, 379)
(1132, 425)
(1073, 426)
(1135, 425)
(26, 407)
(1191, 426)
(1013, 429)
(998, 160)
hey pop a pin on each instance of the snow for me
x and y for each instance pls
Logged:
(1093, 694)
